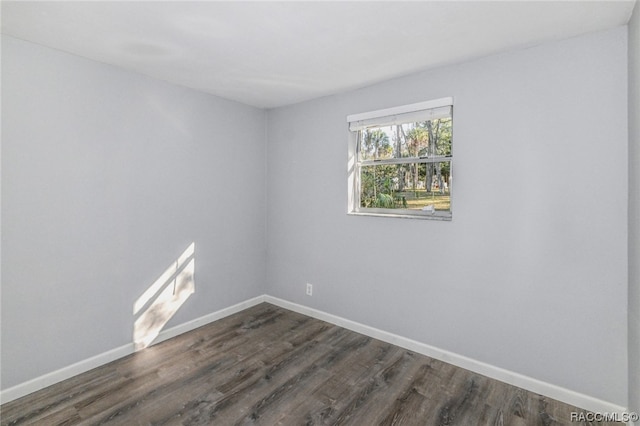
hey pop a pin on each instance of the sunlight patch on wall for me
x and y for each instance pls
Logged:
(159, 303)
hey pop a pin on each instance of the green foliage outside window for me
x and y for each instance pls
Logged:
(411, 185)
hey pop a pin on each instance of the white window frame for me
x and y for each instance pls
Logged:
(421, 111)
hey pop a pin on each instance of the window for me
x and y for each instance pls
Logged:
(401, 161)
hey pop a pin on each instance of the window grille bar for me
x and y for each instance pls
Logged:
(406, 160)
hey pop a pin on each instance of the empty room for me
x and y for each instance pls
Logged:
(306, 213)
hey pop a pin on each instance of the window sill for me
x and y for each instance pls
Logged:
(404, 214)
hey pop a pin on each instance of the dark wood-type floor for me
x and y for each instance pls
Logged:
(271, 366)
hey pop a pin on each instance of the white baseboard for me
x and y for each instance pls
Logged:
(64, 373)
(568, 396)
(67, 372)
(550, 390)
(199, 322)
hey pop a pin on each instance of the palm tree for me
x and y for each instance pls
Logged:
(417, 144)
(376, 142)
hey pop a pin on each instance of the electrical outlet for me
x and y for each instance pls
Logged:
(309, 289)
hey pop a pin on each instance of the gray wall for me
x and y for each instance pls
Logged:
(531, 274)
(634, 211)
(108, 176)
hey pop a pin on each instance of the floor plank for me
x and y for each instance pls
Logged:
(270, 366)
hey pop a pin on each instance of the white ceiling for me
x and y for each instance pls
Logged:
(270, 54)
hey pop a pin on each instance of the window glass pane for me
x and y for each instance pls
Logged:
(420, 139)
(413, 186)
